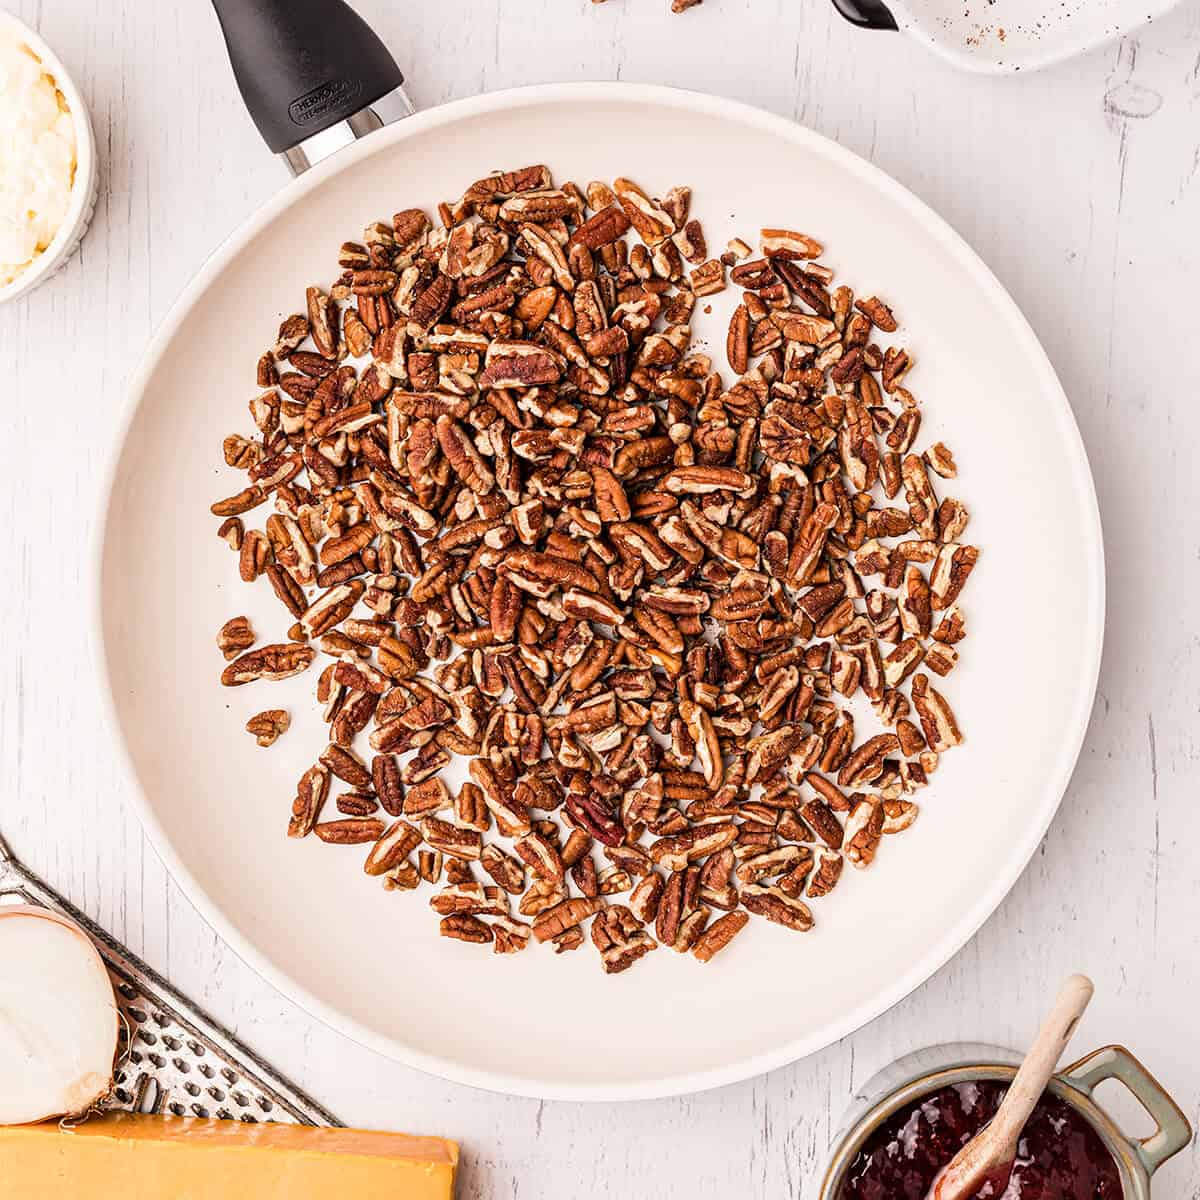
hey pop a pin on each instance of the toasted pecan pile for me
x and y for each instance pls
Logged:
(533, 527)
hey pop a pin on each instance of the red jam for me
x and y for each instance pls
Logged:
(1059, 1155)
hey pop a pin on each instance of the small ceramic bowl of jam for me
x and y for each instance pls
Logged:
(914, 1116)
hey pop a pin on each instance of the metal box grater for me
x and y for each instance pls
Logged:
(180, 1061)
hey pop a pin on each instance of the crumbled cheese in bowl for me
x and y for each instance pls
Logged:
(37, 157)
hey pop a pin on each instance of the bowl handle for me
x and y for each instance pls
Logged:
(1172, 1130)
(866, 14)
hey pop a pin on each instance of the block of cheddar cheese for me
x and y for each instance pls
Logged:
(141, 1157)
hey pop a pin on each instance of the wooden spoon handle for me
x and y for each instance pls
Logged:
(995, 1145)
(1043, 1056)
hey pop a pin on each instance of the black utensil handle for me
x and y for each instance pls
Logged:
(866, 14)
(303, 65)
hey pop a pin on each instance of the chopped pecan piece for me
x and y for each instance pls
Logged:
(674, 853)
(565, 915)
(449, 839)
(269, 725)
(718, 935)
(346, 766)
(645, 897)
(652, 222)
(865, 764)
(952, 627)
(826, 826)
(242, 502)
(864, 826)
(950, 570)
(466, 928)
(937, 717)
(393, 846)
(541, 856)
(471, 898)
(620, 938)
(878, 313)
(828, 872)
(941, 660)
(511, 936)
(898, 815)
(504, 869)
(776, 905)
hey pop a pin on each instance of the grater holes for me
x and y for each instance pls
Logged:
(150, 1095)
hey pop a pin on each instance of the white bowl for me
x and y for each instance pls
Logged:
(1005, 36)
(83, 191)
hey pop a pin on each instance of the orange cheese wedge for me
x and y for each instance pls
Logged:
(140, 1157)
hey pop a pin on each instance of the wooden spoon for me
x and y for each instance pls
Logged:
(988, 1157)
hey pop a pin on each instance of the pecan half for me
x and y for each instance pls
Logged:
(310, 798)
(353, 831)
(234, 637)
(279, 661)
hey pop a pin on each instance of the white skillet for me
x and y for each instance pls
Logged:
(369, 963)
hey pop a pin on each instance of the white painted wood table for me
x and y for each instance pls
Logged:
(1079, 186)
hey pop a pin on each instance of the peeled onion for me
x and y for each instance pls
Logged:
(58, 1018)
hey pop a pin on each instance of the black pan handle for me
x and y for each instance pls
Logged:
(303, 65)
(866, 14)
